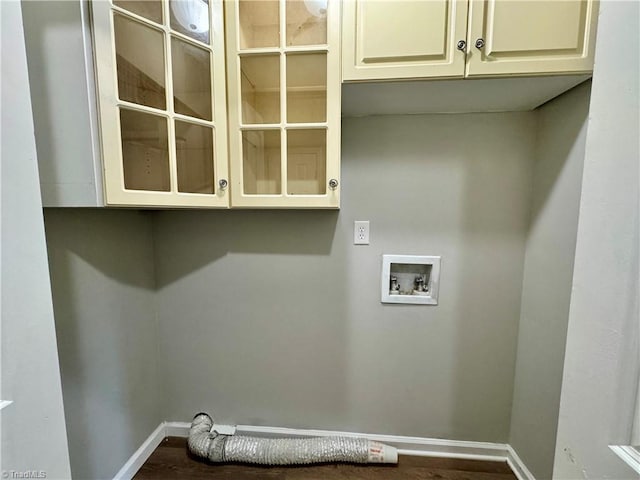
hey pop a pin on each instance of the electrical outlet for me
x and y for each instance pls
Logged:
(361, 232)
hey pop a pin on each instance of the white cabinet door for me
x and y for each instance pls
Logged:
(161, 91)
(389, 39)
(283, 60)
(522, 37)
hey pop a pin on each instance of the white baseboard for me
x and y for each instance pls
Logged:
(629, 454)
(141, 455)
(177, 429)
(417, 446)
(517, 465)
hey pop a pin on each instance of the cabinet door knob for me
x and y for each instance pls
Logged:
(480, 43)
(223, 183)
(461, 45)
(333, 184)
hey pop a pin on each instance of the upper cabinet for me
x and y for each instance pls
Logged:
(173, 121)
(386, 40)
(403, 39)
(525, 37)
(161, 93)
(187, 103)
(237, 103)
(283, 59)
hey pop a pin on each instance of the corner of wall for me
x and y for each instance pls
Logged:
(548, 277)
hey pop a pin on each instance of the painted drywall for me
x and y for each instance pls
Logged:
(59, 71)
(102, 275)
(33, 434)
(601, 359)
(548, 273)
(274, 317)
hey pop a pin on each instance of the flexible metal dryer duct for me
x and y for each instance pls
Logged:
(283, 451)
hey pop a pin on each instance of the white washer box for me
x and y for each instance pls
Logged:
(406, 269)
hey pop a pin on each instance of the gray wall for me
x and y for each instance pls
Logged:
(102, 275)
(274, 317)
(601, 361)
(33, 430)
(548, 273)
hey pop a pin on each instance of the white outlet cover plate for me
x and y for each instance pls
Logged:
(361, 232)
(434, 280)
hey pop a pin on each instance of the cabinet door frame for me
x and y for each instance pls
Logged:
(109, 105)
(483, 63)
(355, 67)
(332, 125)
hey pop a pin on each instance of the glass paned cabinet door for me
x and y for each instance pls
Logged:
(284, 102)
(161, 89)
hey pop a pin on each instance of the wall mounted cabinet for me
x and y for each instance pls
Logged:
(161, 90)
(237, 103)
(508, 37)
(155, 94)
(284, 102)
(403, 39)
(385, 40)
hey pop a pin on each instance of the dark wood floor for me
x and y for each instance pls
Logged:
(171, 461)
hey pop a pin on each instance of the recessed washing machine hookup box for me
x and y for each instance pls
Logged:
(410, 279)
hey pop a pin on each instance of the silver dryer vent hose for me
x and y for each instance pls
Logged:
(283, 451)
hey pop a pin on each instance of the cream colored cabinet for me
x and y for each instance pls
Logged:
(283, 59)
(386, 39)
(522, 37)
(132, 104)
(403, 39)
(160, 71)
